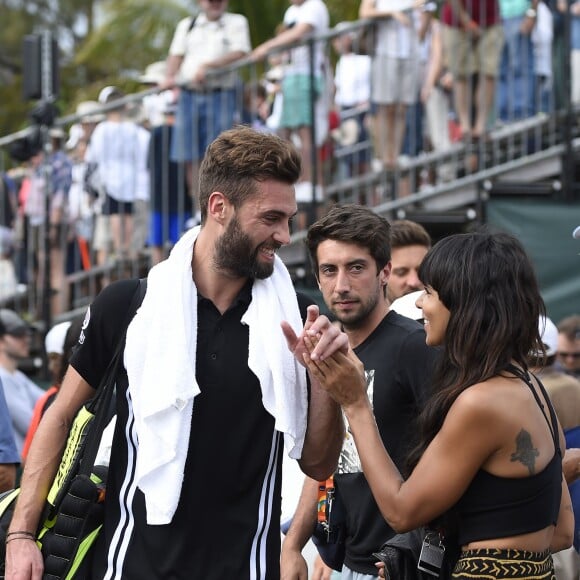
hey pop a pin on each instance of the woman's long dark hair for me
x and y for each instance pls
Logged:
(488, 284)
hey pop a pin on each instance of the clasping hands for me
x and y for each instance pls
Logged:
(341, 375)
(329, 338)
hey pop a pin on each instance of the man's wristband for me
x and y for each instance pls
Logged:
(8, 540)
(21, 533)
(531, 13)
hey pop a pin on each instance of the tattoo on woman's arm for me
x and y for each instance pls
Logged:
(525, 453)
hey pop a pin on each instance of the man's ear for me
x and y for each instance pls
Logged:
(217, 206)
(385, 274)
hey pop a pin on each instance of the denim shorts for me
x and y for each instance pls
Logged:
(201, 117)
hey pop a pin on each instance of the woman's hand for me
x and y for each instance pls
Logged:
(341, 375)
(329, 338)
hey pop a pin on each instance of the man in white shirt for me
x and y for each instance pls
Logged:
(118, 147)
(202, 43)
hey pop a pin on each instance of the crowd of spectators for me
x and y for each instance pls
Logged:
(123, 181)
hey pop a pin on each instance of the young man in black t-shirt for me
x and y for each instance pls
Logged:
(195, 469)
(350, 251)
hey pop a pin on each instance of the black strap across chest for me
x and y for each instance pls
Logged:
(552, 422)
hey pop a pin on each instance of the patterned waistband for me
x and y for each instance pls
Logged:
(490, 563)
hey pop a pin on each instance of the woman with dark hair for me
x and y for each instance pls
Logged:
(488, 465)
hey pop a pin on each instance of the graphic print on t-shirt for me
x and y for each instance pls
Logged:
(349, 460)
(85, 326)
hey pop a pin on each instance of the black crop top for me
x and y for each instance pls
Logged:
(499, 507)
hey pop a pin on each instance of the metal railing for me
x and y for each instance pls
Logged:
(345, 164)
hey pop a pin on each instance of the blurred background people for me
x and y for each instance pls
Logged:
(516, 91)
(153, 105)
(58, 343)
(118, 147)
(20, 392)
(171, 204)
(352, 83)
(569, 345)
(8, 213)
(9, 456)
(564, 392)
(395, 72)
(473, 41)
(410, 242)
(206, 104)
(434, 91)
(89, 117)
(301, 19)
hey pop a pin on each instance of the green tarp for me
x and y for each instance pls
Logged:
(545, 228)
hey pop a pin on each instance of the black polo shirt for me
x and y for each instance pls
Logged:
(227, 521)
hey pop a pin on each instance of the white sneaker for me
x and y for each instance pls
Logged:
(376, 165)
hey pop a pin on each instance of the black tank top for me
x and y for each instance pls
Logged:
(499, 507)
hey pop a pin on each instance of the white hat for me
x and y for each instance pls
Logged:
(576, 233)
(109, 94)
(75, 133)
(154, 73)
(405, 305)
(549, 335)
(54, 339)
(275, 74)
(56, 133)
(87, 111)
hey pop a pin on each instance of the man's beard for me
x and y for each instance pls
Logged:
(235, 255)
(357, 319)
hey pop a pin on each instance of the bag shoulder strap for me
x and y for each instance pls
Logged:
(192, 24)
(552, 421)
(107, 387)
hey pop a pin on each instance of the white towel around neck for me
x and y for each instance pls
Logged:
(160, 362)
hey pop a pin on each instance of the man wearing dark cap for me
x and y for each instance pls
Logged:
(20, 392)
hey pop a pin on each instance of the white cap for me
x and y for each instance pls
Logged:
(109, 94)
(405, 305)
(576, 233)
(154, 74)
(54, 339)
(549, 335)
(89, 112)
(56, 133)
(75, 134)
